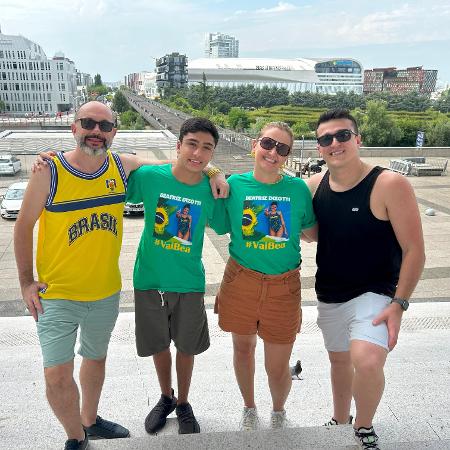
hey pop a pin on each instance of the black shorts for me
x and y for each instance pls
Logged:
(176, 316)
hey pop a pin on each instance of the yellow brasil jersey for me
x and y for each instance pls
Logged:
(80, 231)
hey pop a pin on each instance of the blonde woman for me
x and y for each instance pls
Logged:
(260, 290)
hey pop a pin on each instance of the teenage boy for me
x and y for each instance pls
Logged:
(169, 277)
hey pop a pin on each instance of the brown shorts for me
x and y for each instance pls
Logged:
(250, 302)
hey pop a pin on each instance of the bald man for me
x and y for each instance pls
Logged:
(78, 198)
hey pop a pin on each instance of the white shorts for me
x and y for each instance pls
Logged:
(343, 322)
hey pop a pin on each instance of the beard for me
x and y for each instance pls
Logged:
(97, 151)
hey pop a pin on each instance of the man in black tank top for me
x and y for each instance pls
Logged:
(370, 256)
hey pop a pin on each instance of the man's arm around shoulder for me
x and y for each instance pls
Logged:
(133, 162)
(34, 200)
(397, 195)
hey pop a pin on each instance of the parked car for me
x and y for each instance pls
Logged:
(133, 209)
(12, 200)
(9, 165)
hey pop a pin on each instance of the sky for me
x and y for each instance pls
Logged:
(118, 37)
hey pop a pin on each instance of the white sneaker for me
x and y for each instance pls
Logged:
(278, 419)
(250, 419)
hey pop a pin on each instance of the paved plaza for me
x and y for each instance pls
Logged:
(413, 414)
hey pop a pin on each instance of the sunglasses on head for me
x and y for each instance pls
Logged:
(89, 124)
(268, 143)
(340, 136)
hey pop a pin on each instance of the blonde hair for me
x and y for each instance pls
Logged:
(283, 126)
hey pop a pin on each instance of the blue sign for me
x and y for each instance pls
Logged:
(343, 62)
(420, 138)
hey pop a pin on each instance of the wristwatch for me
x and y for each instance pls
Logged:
(402, 302)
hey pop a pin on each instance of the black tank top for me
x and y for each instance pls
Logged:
(356, 252)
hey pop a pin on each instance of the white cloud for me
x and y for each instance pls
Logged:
(406, 23)
(126, 34)
(280, 8)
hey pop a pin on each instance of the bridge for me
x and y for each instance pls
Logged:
(232, 153)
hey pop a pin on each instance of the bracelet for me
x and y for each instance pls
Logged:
(213, 171)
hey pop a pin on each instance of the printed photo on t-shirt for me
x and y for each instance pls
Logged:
(175, 220)
(266, 220)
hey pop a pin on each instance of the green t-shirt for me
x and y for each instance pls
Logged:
(170, 250)
(266, 222)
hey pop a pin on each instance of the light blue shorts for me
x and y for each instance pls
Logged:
(343, 322)
(57, 328)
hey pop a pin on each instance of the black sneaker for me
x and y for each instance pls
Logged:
(333, 422)
(104, 429)
(157, 417)
(187, 423)
(75, 444)
(366, 438)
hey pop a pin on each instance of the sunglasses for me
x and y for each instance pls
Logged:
(340, 136)
(89, 124)
(268, 143)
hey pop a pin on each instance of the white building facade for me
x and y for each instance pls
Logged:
(143, 83)
(32, 83)
(219, 45)
(318, 75)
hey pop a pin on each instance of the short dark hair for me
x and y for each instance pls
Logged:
(196, 124)
(335, 114)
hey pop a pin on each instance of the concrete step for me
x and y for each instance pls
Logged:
(314, 438)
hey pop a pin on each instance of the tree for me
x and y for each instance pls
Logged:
(301, 128)
(238, 119)
(2, 106)
(95, 91)
(98, 80)
(139, 124)
(378, 128)
(219, 119)
(258, 125)
(180, 103)
(443, 102)
(222, 107)
(120, 102)
(410, 126)
(438, 132)
(128, 118)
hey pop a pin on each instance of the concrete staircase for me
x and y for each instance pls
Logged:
(317, 438)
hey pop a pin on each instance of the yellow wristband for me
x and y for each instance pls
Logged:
(213, 171)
